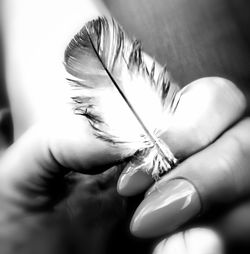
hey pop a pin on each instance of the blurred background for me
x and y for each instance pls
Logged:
(196, 38)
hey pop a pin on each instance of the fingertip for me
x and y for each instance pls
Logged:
(171, 245)
(164, 210)
(195, 241)
(203, 241)
(132, 182)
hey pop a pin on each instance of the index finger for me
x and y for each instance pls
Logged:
(210, 179)
(206, 109)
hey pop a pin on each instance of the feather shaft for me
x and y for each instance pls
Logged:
(150, 135)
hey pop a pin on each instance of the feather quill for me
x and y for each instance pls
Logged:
(124, 101)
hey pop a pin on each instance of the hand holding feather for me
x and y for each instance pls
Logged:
(133, 107)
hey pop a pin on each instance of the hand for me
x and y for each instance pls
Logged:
(213, 174)
(40, 175)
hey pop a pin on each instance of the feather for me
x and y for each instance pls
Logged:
(126, 103)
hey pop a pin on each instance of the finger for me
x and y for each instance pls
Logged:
(206, 109)
(230, 231)
(133, 181)
(195, 241)
(216, 176)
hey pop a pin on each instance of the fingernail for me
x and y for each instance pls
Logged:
(132, 182)
(172, 204)
(195, 241)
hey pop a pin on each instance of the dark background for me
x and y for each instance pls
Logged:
(196, 38)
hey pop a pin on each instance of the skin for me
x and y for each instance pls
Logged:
(50, 144)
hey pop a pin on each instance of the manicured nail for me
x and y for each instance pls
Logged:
(132, 182)
(195, 241)
(171, 205)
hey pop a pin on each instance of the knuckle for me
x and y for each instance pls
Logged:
(222, 90)
(227, 90)
(223, 93)
(238, 144)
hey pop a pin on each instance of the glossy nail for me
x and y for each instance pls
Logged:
(132, 182)
(195, 241)
(169, 206)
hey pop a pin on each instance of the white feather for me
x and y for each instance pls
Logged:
(123, 100)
